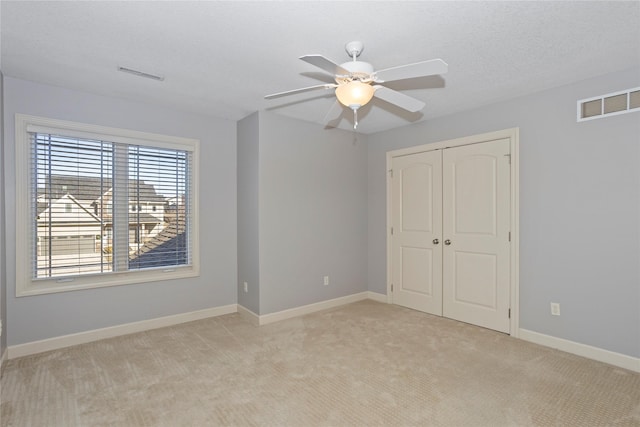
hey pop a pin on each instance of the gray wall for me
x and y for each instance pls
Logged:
(39, 317)
(3, 249)
(311, 202)
(248, 213)
(579, 209)
(313, 210)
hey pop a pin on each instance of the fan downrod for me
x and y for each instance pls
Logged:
(354, 49)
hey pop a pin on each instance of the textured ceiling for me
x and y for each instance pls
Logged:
(221, 58)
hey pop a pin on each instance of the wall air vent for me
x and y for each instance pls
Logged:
(611, 104)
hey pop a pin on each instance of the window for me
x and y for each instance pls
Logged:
(83, 188)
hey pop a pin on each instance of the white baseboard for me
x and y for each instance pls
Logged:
(595, 353)
(311, 308)
(377, 297)
(265, 319)
(55, 343)
(114, 331)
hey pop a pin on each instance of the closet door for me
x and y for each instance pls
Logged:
(417, 229)
(476, 225)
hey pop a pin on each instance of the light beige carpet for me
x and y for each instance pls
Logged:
(364, 364)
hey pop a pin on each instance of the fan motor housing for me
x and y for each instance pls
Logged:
(358, 70)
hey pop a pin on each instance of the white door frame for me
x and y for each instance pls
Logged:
(514, 279)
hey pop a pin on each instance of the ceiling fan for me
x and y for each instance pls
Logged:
(357, 81)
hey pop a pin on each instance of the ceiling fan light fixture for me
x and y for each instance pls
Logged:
(354, 94)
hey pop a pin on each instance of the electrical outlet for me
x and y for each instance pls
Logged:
(326, 280)
(246, 287)
(555, 309)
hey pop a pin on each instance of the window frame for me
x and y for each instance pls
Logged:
(25, 283)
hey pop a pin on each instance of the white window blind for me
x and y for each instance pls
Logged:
(107, 209)
(82, 190)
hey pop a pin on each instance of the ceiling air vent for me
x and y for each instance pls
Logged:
(140, 73)
(610, 104)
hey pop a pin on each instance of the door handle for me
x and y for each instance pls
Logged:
(447, 242)
(436, 241)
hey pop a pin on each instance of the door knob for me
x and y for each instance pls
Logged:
(447, 242)
(436, 241)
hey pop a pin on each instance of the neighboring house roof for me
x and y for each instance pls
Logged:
(169, 247)
(61, 216)
(139, 218)
(91, 188)
(41, 207)
(134, 218)
(143, 218)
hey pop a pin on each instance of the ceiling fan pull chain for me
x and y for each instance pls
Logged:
(355, 118)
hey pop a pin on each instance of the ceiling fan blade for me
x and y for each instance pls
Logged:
(334, 113)
(304, 89)
(419, 69)
(396, 98)
(325, 64)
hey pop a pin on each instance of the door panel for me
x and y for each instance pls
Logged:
(475, 278)
(474, 196)
(417, 221)
(417, 263)
(476, 208)
(417, 197)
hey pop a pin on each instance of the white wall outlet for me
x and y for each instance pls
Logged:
(326, 280)
(555, 309)
(246, 287)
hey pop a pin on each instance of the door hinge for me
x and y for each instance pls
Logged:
(391, 173)
(509, 313)
(509, 157)
(509, 236)
(392, 231)
(392, 287)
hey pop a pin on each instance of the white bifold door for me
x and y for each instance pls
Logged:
(451, 233)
